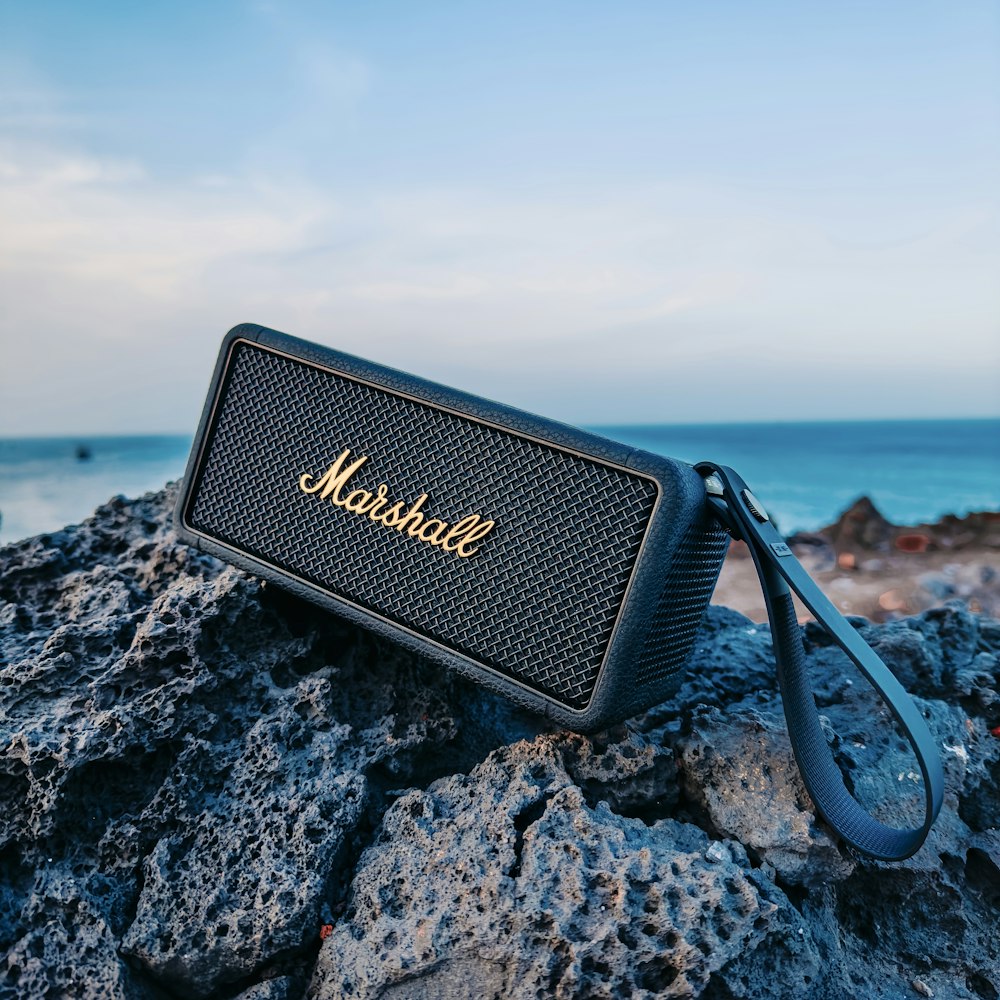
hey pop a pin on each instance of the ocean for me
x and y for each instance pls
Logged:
(805, 473)
(43, 485)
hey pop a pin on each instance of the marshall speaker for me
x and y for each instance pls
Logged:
(559, 568)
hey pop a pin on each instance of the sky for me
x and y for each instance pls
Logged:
(602, 212)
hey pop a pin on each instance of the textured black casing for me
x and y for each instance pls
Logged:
(581, 603)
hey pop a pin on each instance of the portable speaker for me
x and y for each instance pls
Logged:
(562, 569)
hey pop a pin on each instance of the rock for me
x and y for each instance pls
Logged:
(279, 988)
(739, 772)
(314, 800)
(509, 876)
(862, 528)
(64, 942)
(210, 789)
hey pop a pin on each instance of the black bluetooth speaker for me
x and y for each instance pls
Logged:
(560, 568)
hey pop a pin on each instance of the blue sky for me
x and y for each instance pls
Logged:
(633, 212)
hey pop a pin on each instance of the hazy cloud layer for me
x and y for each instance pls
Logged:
(609, 298)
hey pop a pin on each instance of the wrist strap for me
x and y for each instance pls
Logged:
(745, 518)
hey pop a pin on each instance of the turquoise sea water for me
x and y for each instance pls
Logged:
(806, 473)
(43, 486)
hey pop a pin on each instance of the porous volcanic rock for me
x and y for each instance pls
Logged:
(209, 789)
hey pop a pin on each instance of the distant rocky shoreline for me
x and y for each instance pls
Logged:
(212, 790)
(883, 571)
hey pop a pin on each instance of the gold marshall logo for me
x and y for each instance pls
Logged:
(458, 537)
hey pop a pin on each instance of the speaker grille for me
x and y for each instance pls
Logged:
(537, 602)
(686, 593)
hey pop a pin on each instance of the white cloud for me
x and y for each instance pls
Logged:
(117, 285)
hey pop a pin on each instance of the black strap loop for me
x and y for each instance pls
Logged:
(738, 509)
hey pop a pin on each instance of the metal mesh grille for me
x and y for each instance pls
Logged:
(537, 602)
(686, 592)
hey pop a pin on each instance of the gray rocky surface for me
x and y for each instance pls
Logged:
(211, 790)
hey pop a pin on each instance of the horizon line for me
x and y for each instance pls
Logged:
(628, 425)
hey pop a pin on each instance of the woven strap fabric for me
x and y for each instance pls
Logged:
(778, 570)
